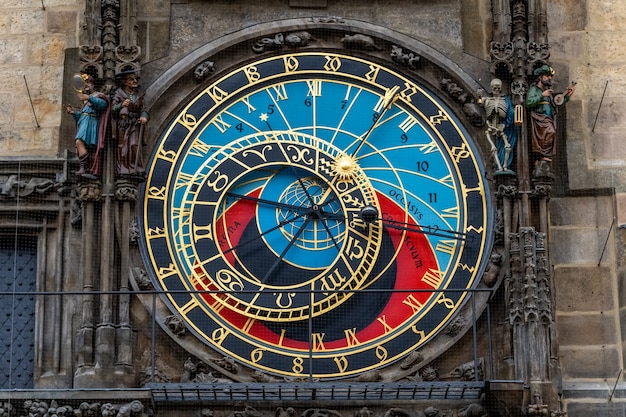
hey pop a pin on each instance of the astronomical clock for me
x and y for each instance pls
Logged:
(315, 214)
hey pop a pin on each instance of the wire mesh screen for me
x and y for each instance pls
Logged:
(317, 238)
(18, 279)
(262, 260)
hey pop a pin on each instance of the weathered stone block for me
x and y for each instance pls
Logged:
(27, 21)
(584, 289)
(589, 362)
(50, 50)
(586, 329)
(158, 39)
(608, 148)
(12, 51)
(476, 27)
(594, 408)
(581, 211)
(309, 3)
(566, 15)
(5, 111)
(29, 141)
(61, 22)
(567, 46)
(154, 9)
(607, 46)
(621, 208)
(605, 16)
(580, 245)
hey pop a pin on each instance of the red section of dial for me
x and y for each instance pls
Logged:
(414, 258)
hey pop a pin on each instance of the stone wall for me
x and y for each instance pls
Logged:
(33, 40)
(587, 244)
(38, 40)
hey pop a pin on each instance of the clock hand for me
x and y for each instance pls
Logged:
(369, 214)
(270, 202)
(278, 226)
(427, 230)
(319, 214)
(324, 215)
(316, 213)
(284, 252)
(390, 98)
(304, 188)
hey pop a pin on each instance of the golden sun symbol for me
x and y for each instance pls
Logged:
(346, 167)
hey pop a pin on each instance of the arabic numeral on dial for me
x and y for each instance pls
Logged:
(422, 166)
(256, 355)
(404, 138)
(381, 353)
(308, 102)
(298, 367)
(355, 251)
(343, 104)
(239, 127)
(270, 108)
(375, 116)
(432, 197)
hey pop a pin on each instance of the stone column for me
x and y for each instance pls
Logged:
(89, 194)
(126, 193)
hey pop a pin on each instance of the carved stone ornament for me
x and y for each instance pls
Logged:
(456, 326)
(291, 40)
(247, 412)
(39, 408)
(14, 186)
(203, 70)
(408, 59)
(490, 276)
(320, 412)
(468, 371)
(141, 278)
(127, 53)
(126, 190)
(176, 325)
(90, 191)
(369, 376)
(133, 231)
(360, 41)
(328, 19)
(90, 57)
(411, 359)
(540, 191)
(472, 110)
(76, 212)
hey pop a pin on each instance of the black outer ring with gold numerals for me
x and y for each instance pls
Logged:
(401, 300)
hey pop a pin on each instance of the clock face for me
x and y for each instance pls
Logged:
(315, 214)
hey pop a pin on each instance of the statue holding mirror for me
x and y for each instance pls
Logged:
(91, 122)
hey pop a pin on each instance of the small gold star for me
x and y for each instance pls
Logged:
(263, 117)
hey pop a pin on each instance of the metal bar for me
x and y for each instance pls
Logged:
(374, 392)
(489, 343)
(615, 386)
(32, 106)
(600, 106)
(607, 240)
(474, 337)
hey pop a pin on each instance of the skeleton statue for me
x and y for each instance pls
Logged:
(500, 128)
